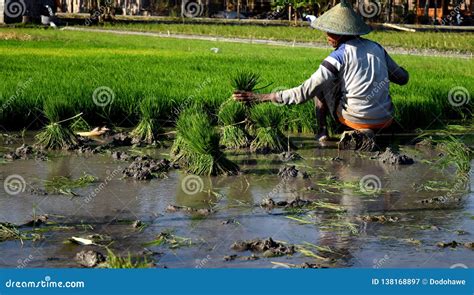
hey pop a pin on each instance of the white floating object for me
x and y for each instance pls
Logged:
(81, 241)
(215, 49)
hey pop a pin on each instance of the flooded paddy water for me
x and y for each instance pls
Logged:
(352, 211)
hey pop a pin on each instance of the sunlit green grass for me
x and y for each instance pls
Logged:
(70, 66)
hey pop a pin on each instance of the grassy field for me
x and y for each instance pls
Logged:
(43, 65)
(459, 42)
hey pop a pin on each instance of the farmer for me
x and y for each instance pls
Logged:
(352, 83)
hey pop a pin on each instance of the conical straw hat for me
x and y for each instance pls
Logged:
(341, 20)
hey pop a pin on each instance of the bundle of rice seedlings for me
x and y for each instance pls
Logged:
(57, 134)
(268, 120)
(245, 81)
(196, 147)
(148, 128)
(232, 118)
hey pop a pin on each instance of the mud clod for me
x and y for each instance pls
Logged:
(357, 140)
(230, 257)
(36, 221)
(121, 139)
(144, 168)
(89, 258)
(289, 156)
(291, 171)
(452, 244)
(296, 203)
(392, 157)
(268, 247)
(26, 152)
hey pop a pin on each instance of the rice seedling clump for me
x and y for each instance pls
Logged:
(196, 148)
(269, 121)
(151, 109)
(246, 81)
(57, 134)
(232, 118)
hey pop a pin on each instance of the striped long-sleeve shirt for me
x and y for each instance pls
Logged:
(362, 70)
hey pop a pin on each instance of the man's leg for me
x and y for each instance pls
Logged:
(322, 110)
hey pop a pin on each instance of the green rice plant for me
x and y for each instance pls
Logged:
(57, 134)
(196, 147)
(245, 81)
(114, 261)
(269, 121)
(64, 185)
(9, 231)
(301, 118)
(151, 110)
(173, 241)
(458, 154)
(231, 117)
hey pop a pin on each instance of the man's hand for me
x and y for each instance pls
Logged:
(244, 96)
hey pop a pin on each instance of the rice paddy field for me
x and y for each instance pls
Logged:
(126, 151)
(123, 70)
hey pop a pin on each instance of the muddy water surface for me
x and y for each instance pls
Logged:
(356, 184)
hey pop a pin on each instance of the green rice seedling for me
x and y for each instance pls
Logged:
(246, 81)
(301, 118)
(196, 147)
(9, 231)
(171, 240)
(114, 261)
(268, 120)
(64, 185)
(57, 134)
(79, 124)
(151, 110)
(232, 118)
